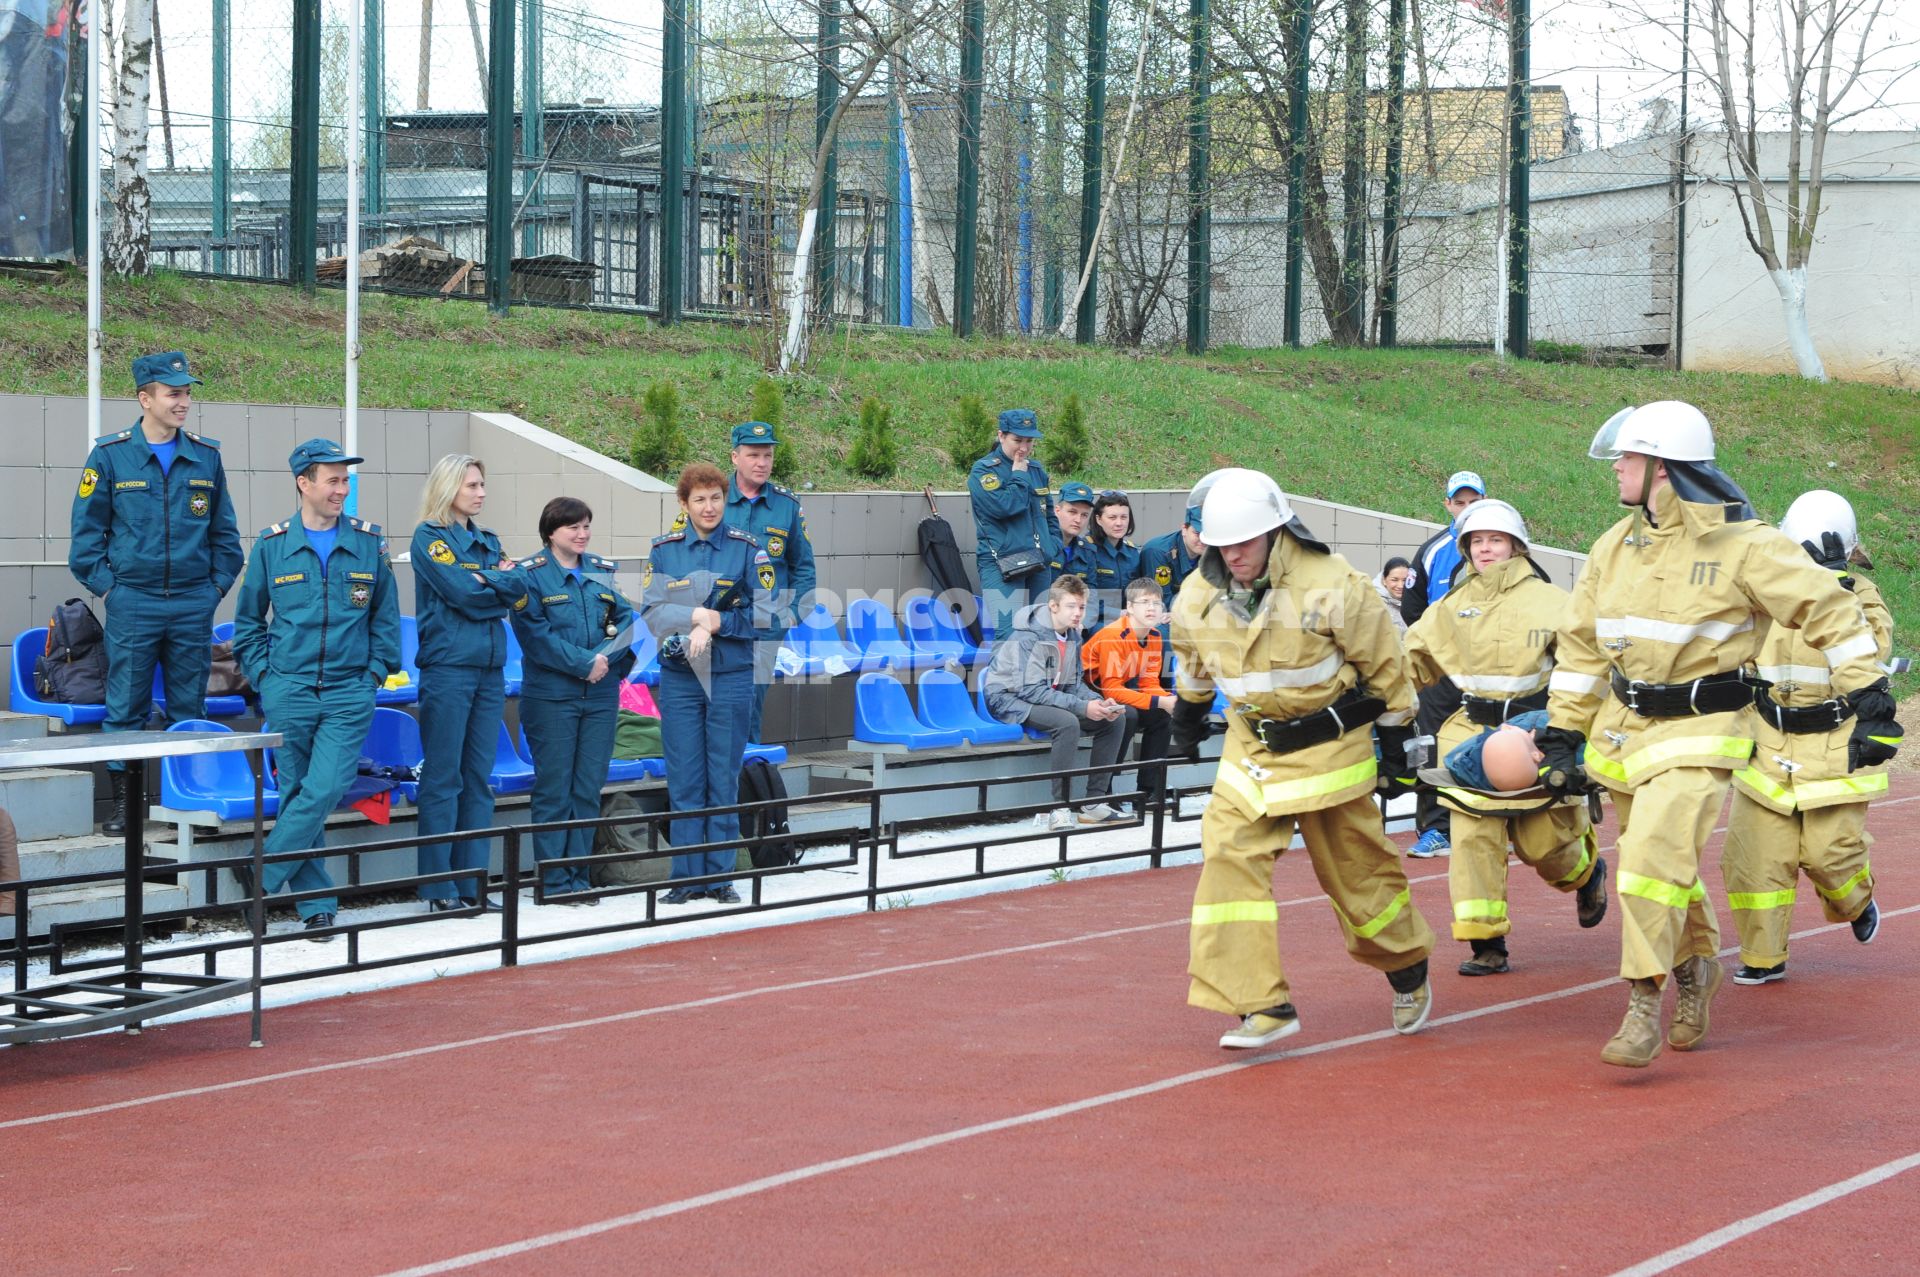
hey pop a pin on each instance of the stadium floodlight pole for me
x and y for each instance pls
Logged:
(90, 130)
(966, 236)
(1519, 142)
(500, 23)
(1296, 167)
(1199, 197)
(350, 426)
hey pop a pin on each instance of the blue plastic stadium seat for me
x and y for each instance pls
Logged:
(872, 630)
(511, 773)
(222, 706)
(28, 647)
(980, 703)
(925, 618)
(882, 715)
(816, 640)
(646, 656)
(217, 783)
(514, 667)
(409, 662)
(223, 632)
(359, 788)
(394, 741)
(774, 754)
(946, 706)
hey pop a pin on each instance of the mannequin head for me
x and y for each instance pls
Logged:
(1510, 759)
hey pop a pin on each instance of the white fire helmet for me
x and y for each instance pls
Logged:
(1490, 515)
(1820, 511)
(1237, 505)
(1666, 428)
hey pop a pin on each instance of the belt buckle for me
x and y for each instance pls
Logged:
(1839, 711)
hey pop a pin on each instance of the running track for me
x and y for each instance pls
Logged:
(1005, 1084)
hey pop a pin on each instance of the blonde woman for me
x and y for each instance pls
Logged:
(462, 585)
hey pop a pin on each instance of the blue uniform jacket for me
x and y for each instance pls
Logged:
(727, 571)
(459, 617)
(775, 520)
(321, 629)
(1012, 509)
(156, 531)
(1165, 561)
(563, 624)
(1115, 563)
(1072, 558)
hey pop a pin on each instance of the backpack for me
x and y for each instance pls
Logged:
(760, 782)
(73, 669)
(611, 838)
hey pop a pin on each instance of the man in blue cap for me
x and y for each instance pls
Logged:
(1072, 516)
(1167, 560)
(154, 536)
(772, 516)
(1434, 564)
(1013, 517)
(317, 630)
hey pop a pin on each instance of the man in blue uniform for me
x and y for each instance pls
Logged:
(1013, 517)
(1167, 560)
(154, 535)
(317, 629)
(772, 516)
(1073, 554)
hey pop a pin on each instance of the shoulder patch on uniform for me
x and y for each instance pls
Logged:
(440, 552)
(595, 561)
(211, 443)
(1163, 575)
(275, 530)
(737, 533)
(679, 523)
(672, 535)
(122, 437)
(765, 572)
(89, 480)
(364, 526)
(991, 482)
(538, 560)
(520, 604)
(785, 492)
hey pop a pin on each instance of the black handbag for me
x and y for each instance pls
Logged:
(1019, 563)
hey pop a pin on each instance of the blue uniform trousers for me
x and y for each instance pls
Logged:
(460, 711)
(766, 652)
(1004, 598)
(571, 742)
(174, 632)
(324, 733)
(704, 738)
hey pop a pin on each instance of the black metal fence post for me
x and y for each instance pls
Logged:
(304, 180)
(1092, 163)
(499, 154)
(1520, 157)
(1297, 89)
(1199, 197)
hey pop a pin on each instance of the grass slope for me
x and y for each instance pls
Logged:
(1370, 428)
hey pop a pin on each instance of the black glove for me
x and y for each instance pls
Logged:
(1876, 735)
(1560, 764)
(1191, 726)
(1395, 776)
(1829, 553)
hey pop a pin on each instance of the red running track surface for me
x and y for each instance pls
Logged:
(1003, 1084)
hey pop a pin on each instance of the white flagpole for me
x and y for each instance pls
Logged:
(90, 154)
(355, 91)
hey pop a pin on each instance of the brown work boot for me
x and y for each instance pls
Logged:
(1697, 980)
(1638, 1040)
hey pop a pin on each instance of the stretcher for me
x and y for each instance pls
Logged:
(1501, 803)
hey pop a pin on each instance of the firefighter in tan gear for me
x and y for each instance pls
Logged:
(1305, 652)
(1492, 637)
(1797, 806)
(1676, 599)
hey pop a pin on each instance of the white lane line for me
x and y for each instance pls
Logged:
(767, 1183)
(618, 1017)
(1754, 1223)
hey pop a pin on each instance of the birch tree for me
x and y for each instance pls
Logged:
(130, 242)
(1823, 49)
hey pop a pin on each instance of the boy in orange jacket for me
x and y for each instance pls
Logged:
(1125, 660)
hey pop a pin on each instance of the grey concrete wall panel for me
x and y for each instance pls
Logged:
(47, 802)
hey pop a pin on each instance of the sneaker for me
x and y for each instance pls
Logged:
(320, 922)
(1867, 925)
(1434, 842)
(1590, 902)
(1262, 1028)
(1637, 1040)
(1060, 820)
(1697, 979)
(1759, 975)
(1410, 1010)
(1486, 962)
(1098, 814)
(725, 895)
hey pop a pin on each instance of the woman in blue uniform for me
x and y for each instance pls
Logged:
(1116, 560)
(707, 588)
(462, 585)
(576, 633)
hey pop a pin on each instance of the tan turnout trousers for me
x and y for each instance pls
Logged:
(1235, 961)
(1767, 852)
(1557, 844)
(1665, 916)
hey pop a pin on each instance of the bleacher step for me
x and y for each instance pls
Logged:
(22, 726)
(86, 853)
(102, 902)
(48, 802)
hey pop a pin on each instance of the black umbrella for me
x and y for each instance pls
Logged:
(941, 553)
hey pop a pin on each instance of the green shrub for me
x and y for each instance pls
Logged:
(1065, 444)
(659, 442)
(770, 406)
(876, 453)
(973, 435)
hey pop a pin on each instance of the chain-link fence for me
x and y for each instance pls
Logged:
(1088, 133)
